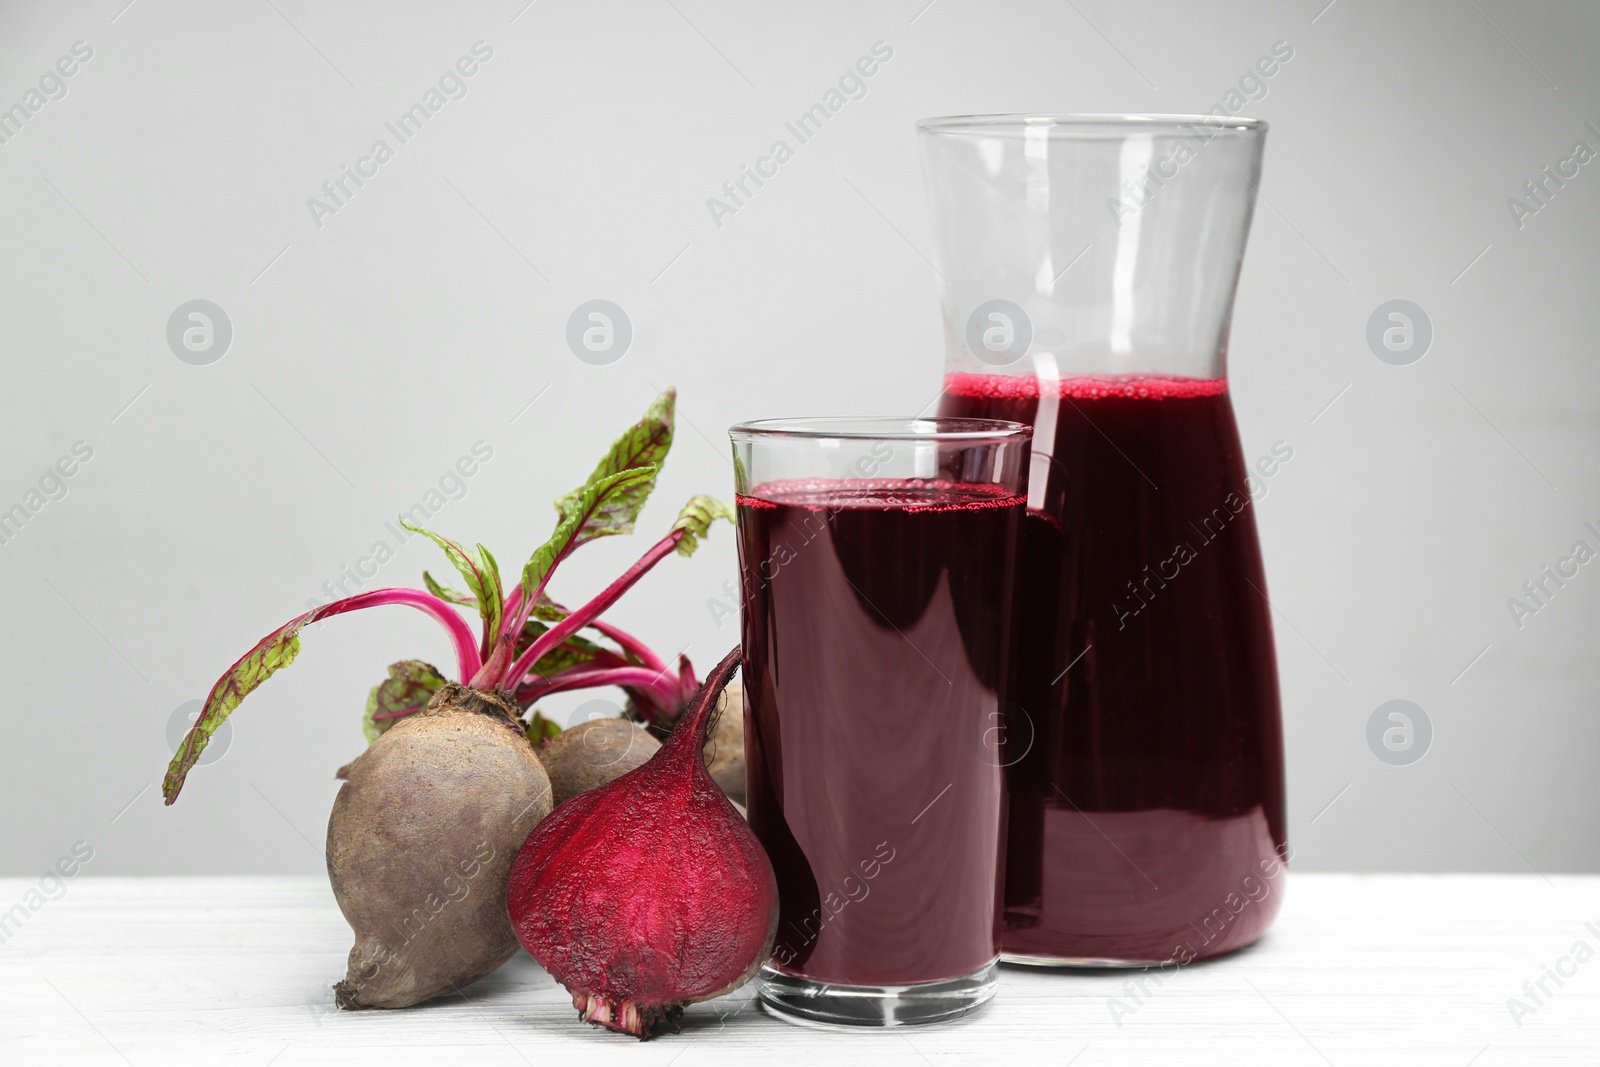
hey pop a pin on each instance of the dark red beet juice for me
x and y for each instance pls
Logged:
(875, 621)
(1146, 820)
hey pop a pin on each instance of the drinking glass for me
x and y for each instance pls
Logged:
(1089, 264)
(876, 561)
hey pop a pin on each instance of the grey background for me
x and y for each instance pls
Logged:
(372, 352)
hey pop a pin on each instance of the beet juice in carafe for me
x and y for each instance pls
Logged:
(1089, 267)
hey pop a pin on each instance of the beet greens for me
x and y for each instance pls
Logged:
(528, 646)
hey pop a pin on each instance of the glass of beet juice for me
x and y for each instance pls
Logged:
(1089, 267)
(876, 560)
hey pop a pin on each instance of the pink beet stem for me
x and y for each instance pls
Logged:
(512, 606)
(466, 645)
(512, 625)
(629, 643)
(553, 637)
(586, 678)
(686, 683)
(493, 669)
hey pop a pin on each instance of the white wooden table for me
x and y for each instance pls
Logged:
(1359, 969)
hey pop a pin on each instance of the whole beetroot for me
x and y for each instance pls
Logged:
(425, 828)
(650, 892)
(590, 754)
(436, 921)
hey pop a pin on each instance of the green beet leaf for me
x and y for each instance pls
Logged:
(644, 444)
(409, 687)
(541, 729)
(444, 592)
(481, 574)
(696, 518)
(593, 512)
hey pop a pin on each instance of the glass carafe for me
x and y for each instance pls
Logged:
(1089, 266)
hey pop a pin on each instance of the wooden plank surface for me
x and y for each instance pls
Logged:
(1359, 969)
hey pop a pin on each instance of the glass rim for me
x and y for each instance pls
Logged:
(1085, 123)
(941, 428)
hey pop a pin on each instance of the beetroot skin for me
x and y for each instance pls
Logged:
(422, 834)
(650, 892)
